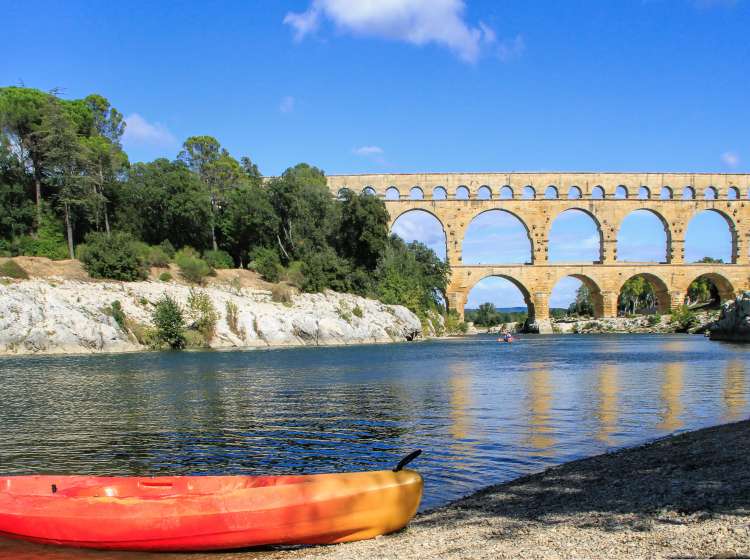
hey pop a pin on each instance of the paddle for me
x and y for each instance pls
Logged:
(408, 459)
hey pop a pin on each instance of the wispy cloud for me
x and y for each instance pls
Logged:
(286, 105)
(418, 22)
(511, 49)
(374, 153)
(730, 159)
(140, 132)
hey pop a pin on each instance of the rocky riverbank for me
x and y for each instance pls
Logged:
(60, 315)
(734, 322)
(683, 496)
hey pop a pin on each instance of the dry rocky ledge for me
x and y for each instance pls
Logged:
(61, 316)
(682, 496)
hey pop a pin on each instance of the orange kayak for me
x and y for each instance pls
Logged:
(189, 513)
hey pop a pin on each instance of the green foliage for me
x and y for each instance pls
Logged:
(326, 270)
(453, 323)
(637, 293)
(11, 269)
(218, 259)
(248, 221)
(168, 248)
(169, 323)
(158, 257)
(266, 262)
(202, 313)
(357, 311)
(653, 320)
(683, 318)
(233, 319)
(118, 314)
(583, 304)
(113, 256)
(281, 294)
(362, 234)
(165, 277)
(49, 241)
(293, 274)
(192, 267)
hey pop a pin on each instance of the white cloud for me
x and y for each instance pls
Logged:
(287, 104)
(138, 131)
(418, 22)
(730, 159)
(368, 151)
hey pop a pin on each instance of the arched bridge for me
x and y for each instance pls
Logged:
(536, 199)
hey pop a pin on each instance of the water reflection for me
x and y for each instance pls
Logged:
(734, 390)
(460, 402)
(608, 402)
(671, 397)
(540, 394)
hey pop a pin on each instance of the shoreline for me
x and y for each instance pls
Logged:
(684, 495)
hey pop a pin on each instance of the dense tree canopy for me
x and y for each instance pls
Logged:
(64, 178)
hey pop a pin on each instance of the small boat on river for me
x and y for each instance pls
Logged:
(191, 513)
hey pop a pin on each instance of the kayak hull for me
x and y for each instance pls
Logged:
(205, 512)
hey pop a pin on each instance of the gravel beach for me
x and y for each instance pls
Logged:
(682, 496)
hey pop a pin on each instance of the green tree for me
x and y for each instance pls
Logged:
(169, 320)
(636, 293)
(486, 315)
(363, 230)
(583, 304)
(248, 221)
(113, 256)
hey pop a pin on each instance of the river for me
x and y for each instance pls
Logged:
(483, 412)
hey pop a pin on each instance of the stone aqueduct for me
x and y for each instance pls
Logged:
(536, 199)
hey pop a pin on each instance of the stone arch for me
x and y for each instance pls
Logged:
(529, 193)
(439, 193)
(644, 193)
(506, 192)
(666, 193)
(528, 300)
(590, 215)
(551, 193)
(733, 247)
(710, 193)
(484, 193)
(392, 193)
(342, 193)
(733, 193)
(499, 212)
(688, 193)
(621, 192)
(369, 191)
(667, 234)
(597, 192)
(416, 193)
(462, 192)
(597, 299)
(724, 287)
(395, 218)
(574, 193)
(659, 286)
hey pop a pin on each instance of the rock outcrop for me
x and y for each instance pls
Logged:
(734, 322)
(48, 316)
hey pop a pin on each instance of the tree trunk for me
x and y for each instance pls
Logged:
(106, 221)
(69, 228)
(213, 237)
(38, 187)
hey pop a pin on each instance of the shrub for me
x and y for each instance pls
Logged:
(293, 274)
(683, 318)
(202, 312)
(115, 311)
(158, 257)
(49, 241)
(233, 315)
(11, 269)
(165, 277)
(195, 339)
(169, 323)
(357, 311)
(266, 263)
(653, 320)
(167, 247)
(192, 267)
(281, 294)
(454, 324)
(218, 259)
(112, 256)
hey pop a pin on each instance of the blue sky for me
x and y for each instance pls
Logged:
(408, 85)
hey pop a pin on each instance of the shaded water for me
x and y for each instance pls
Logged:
(482, 412)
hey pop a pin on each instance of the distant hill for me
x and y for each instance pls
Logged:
(517, 309)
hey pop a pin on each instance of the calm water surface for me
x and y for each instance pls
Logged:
(482, 412)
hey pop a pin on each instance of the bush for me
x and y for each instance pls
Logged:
(167, 247)
(326, 270)
(233, 316)
(158, 257)
(202, 312)
(266, 262)
(11, 269)
(683, 318)
(169, 323)
(281, 294)
(116, 312)
(218, 259)
(357, 311)
(653, 320)
(192, 267)
(49, 241)
(165, 277)
(293, 274)
(113, 256)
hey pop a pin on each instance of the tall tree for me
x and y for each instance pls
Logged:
(248, 221)
(363, 229)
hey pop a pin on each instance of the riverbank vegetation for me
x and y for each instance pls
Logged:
(67, 190)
